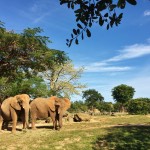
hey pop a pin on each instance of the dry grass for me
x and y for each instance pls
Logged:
(82, 136)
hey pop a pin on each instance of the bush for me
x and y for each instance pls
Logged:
(139, 106)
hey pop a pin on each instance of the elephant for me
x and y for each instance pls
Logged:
(13, 108)
(53, 107)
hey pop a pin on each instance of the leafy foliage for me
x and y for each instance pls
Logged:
(89, 12)
(105, 106)
(122, 93)
(78, 106)
(92, 98)
(22, 57)
(139, 106)
(64, 79)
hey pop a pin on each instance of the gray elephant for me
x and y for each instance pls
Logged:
(13, 108)
(53, 107)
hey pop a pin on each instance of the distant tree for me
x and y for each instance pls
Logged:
(106, 107)
(117, 106)
(64, 79)
(122, 94)
(139, 106)
(78, 106)
(89, 12)
(92, 98)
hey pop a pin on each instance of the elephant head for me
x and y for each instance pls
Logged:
(20, 102)
(61, 104)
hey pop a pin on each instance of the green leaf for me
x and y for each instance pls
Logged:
(112, 7)
(76, 41)
(107, 26)
(120, 15)
(72, 5)
(101, 21)
(88, 32)
(132, 2)
(79, 26)
(106, 15)
(71, 35)
(82, 36)
(74, 31)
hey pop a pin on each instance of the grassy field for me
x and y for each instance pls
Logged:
(127, 132)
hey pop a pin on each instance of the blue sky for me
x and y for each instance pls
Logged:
(120, 55)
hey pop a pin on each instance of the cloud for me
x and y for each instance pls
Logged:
(106, 69)
(130, 52)
(38, 10)
(40, 18)
(147, 13)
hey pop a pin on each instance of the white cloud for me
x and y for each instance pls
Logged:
(147, 13)
(106, 69)
(38, 10)
(130, 52)
(40, 18)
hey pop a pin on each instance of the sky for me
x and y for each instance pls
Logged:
(112, 57)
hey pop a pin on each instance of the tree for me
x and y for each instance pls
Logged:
(63, 79)
(106, 107)
(123, 93)
(89, 12)
(22, 57)
(25, 52)
(92, 98)
(139, 106)
(78, 106)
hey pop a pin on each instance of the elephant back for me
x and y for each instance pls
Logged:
(39, 103)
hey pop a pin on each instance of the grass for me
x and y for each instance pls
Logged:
(106, 133)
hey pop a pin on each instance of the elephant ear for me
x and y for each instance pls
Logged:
(51, 102)
(66, 105)
(15, 103)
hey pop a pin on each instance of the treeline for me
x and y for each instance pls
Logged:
(134, 106)
(123, 97)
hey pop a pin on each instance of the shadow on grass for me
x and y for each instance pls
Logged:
(124, 138)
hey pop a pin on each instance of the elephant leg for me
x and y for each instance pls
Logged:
(14, 120)
(60, 121)
(5, 125)
(23, 121)
(52, 115)
(1, 122)
(33, 120)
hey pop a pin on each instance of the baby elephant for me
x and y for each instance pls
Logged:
(12, 108)
(53, 107)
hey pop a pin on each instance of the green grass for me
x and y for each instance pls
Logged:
(108, 133)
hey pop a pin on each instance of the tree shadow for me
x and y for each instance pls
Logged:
(124, 138)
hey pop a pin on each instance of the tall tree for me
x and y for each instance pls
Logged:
(22, 57)
(89, 12)
(64, 79)
(92, 98)
(122, 94)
